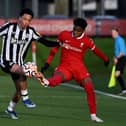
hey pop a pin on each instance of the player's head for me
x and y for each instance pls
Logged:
(79, 26)
(115, 32)
(25, 17)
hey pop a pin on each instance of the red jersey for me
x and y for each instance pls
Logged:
(74, 48)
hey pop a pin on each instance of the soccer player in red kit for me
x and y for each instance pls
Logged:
(74, 46)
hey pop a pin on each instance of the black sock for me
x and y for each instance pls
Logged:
(121, 82)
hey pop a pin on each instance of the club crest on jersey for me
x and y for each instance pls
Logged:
(66, 41)
(81, 45)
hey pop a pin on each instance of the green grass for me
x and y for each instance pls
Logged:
(59, 106)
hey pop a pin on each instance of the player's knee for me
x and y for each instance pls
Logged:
(88, 85)
(55, 80)
(86, 80)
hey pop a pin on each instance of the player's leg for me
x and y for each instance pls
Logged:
(61, 74)
(21, 83)
(91, 99)
(89, 88)
(119, 72)
(20, 80)
(21, 91)
(16, 97)
(83, 78)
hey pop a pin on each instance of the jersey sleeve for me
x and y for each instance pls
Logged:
(96, 50)
(54, 50)
(90, 43)
(61, 37)
(35, 35)
(4, 29)
(51, 54)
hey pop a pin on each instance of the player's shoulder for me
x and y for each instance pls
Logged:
(85, 36)
(65, 32)
(7, 25)
(120, 38)
(31, 28)
(33, 31)
(87, 39)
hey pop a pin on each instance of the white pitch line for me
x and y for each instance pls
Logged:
(96, 91)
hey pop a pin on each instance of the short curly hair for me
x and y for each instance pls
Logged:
(80, 22)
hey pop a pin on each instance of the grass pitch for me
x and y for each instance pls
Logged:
(65, 106)
(59, 106)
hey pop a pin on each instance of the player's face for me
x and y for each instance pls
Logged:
(77, 31)
(25, 20)
(114, 33)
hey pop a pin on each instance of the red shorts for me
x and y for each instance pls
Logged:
(77, 72)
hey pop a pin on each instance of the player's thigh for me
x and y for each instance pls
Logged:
(121, 65)
(67, 75)
(80, 73)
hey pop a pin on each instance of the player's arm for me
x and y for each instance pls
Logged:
(48, 43)
(52, 53)
(37, 37)
(98, 52)
(49, 58)
(4, 29)
(55, 49)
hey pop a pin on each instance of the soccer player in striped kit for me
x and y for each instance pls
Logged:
(16, 39)
(74, 46)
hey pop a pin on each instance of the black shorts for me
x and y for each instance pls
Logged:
(121, 64)
(6, 68)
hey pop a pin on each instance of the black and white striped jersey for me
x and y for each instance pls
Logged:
(15, 42)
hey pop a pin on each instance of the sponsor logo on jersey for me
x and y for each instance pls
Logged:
(67, 46)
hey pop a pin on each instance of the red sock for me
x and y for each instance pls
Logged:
(55, 80)
(91, 100)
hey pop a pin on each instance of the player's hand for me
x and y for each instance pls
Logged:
(45, 67)
(106, 63)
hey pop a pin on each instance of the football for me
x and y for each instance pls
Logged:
(30, 69)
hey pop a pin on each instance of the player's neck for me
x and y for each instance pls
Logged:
(79, 37)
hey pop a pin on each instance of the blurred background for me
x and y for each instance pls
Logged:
(53, 16)
(66, 106)
(68, 8)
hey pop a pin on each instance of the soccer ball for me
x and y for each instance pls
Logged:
(30, 69)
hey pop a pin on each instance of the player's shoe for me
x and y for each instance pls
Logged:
(29, 104)
(96, 119)
(40, 77)
(12, 114)
(123, 92)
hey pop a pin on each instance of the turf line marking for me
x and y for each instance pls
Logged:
(96, 91)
